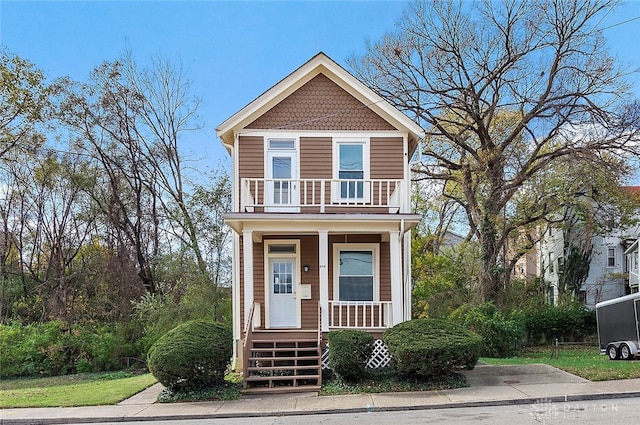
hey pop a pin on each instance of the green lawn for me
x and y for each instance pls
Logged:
(586, 362)
(72, 390)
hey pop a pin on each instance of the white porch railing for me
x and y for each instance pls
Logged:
(360, 314)
(283, 195)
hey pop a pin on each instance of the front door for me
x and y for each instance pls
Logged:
(283, 306)
(282, 184)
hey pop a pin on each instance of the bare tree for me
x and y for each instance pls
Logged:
(104, 115)
(505, 89)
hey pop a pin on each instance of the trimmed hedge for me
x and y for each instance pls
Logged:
(191, 356)
(574, 322)
(431, 348)
(349, 352)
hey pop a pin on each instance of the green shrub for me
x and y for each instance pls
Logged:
(191, 356)
(46, 349)
(349, 352)
(502, 336)
(431, 348)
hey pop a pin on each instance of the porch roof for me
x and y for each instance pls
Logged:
(295, 223)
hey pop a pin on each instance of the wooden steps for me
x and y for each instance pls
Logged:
(281, 362)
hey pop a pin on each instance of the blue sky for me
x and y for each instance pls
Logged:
(233, 51)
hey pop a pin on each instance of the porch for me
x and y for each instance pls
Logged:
(292, 360)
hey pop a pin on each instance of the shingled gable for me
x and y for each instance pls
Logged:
(320, 73)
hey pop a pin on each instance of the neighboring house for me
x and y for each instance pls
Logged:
(632, 252)
(613, 267)
(527, 266)
(321, 219)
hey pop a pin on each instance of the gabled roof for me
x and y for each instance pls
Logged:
(319, 64)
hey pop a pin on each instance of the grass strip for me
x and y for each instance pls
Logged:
(586, 362)
(71, 391)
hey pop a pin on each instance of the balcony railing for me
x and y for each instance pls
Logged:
(289, 195)
(360, 314)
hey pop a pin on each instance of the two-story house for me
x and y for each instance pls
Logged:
(321, 219)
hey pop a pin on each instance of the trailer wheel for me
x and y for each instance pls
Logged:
(625, 352)
(612, 352)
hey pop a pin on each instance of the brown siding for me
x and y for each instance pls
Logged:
(315, 163)
(387, 158)
(258, 280)
(321, 105)
(315, 158)
(250, 159)
(309, 256)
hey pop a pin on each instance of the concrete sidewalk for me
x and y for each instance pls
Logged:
(488, 385)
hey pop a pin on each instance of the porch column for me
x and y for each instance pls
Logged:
(407, 275)
(397, 298)
(323, 264)
(247, 261)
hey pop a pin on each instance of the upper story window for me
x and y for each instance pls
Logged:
(351, 168)
(611, 257)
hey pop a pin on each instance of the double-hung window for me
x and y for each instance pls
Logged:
(611, 257)
(351, 169)
(356, 272)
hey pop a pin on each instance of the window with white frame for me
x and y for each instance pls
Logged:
(355, 272)
(351, 168)
(611, 257)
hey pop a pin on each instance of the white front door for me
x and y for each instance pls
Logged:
(283, 306)
(282, 184)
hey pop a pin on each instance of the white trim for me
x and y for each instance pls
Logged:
(235, 298)
(342, 134)
(395, 269)
(374, 248)
(407, 276)
(269, 154)
(296, 284)
(406, 184)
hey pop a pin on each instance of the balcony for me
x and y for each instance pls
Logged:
(320, 195)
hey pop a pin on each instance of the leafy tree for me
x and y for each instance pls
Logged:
(24, 99)
(506, 90)
(442, 281)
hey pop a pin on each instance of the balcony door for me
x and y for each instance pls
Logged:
(282, 176)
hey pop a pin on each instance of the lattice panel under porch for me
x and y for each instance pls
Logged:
(380, 356)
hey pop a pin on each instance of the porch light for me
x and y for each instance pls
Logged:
(305, 268)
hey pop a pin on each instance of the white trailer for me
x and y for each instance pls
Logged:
(618, 327)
